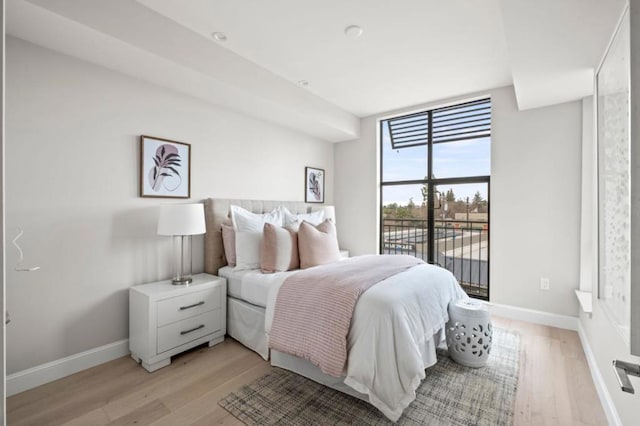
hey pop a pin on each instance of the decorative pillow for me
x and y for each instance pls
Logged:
(229, 244)
(248, 228)
(317, 244)
(294, 220)
(279, 249)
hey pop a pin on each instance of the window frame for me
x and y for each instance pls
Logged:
(431, 183)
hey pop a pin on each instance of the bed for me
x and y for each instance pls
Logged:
(389, 345)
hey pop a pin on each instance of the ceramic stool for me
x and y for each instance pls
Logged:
(469, 333)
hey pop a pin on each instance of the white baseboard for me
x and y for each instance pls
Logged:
(603, 393)
(537, 317)
(45, 373)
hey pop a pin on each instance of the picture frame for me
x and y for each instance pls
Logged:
(165, 168)
(313, 185)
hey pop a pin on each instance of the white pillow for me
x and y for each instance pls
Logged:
(248, 250)
(248, 227)
(244, 220)
(294, 220)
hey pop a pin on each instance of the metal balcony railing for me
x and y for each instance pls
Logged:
(461, 246)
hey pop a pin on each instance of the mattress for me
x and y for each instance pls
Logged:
(252, 286)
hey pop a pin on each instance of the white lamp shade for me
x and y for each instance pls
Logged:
(329, 212)
(181, 219)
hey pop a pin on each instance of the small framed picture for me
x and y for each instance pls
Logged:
(313, 185)
(165, 168)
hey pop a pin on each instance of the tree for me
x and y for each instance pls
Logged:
(425, 194)
(394, 211)
(477, 198)
(411, 204)
(390, 210)
(450, 195)
(402, 212)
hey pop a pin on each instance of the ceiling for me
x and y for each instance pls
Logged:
(410, 52)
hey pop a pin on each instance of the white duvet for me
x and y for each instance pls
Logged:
(391, 339)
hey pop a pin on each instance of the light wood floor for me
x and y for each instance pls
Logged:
(554, 388)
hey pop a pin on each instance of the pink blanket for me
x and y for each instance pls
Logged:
(314, 307)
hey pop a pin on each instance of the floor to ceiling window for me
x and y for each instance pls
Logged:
(434, 189)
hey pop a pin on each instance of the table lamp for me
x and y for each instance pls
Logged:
(181, 221)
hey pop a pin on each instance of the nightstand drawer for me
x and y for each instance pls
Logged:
(188, 305)
(176, 334)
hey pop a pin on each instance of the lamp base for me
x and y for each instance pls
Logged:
(182, 281)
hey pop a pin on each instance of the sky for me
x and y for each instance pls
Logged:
(450, 159)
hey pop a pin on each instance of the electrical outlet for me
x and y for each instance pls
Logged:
(544, 283)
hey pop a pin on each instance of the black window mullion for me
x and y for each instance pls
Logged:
(381, 193)
(431, 223)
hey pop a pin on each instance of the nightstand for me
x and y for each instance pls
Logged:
(166, 319)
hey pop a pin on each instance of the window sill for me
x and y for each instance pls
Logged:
(586, 301)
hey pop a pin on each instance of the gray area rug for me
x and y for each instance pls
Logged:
(449, 395)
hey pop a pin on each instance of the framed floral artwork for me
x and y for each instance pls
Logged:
(165, 168)
(313, 185)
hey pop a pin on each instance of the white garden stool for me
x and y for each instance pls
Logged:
(469, 333)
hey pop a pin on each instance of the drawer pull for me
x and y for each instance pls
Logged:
(182, 333)
(182, 308)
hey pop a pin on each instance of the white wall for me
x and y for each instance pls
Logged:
(2, 250)
(535, 199)
(72, 184)
(588, 201)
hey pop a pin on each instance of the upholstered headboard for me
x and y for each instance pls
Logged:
(216, 211)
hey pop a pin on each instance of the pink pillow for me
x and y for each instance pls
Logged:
(229, 244)
(317, 244)
(279, 249)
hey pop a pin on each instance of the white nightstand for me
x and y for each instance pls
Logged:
(166, 319)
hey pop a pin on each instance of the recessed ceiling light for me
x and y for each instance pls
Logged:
(303, 83)
(218, 36)
(353, 31)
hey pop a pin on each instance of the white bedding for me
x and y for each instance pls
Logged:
(245, 323)
(251, 285)
(390, 342)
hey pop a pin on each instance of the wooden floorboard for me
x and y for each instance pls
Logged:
(554, 387)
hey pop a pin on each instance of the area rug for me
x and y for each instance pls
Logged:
(449, 395)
